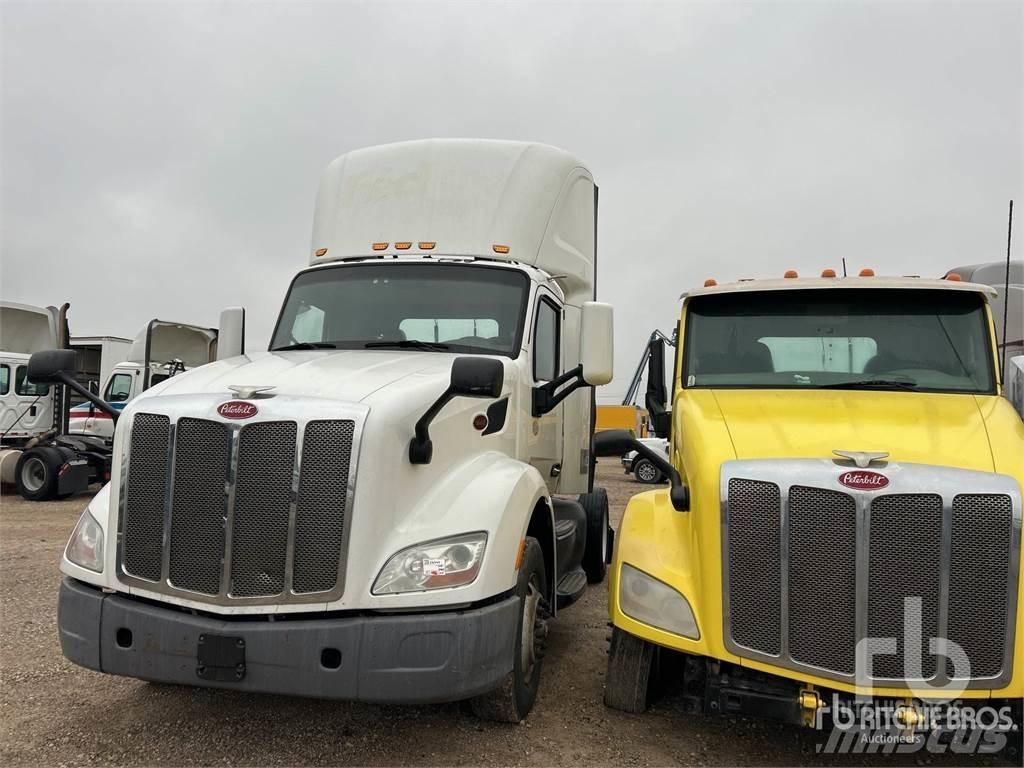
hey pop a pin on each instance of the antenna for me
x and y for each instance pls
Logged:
(1006, 286)
(844, 266)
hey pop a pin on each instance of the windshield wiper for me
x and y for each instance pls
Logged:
(873, 384)
(306, 345)
(406, 344)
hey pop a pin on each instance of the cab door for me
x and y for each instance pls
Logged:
(27, 407)
(545, 437)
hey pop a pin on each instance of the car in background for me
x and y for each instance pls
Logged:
(642, 469)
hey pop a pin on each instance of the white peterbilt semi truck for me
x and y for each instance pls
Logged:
(374, 509)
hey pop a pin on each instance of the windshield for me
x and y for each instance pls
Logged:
(839, 338)
(437, 307)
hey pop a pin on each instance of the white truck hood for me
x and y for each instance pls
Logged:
(349, 375)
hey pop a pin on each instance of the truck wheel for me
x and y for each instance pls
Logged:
(646, 472)
(630, 663)
(36, 473)
(595, 552)
(511, 701)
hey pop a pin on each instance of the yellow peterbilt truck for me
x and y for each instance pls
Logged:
(844, 516)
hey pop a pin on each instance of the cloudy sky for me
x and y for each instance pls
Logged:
(161, 160)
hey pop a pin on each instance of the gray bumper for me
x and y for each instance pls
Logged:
(427, 657)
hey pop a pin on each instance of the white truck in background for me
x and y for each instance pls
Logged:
(27, 410)
(373, 509)
(95, 358)
(160, 350)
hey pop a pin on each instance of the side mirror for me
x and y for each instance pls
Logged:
(596, 342)
(477, 377)
(51, 366)
(57, 366)
(656, 398)
(618, 442)
(231, 333)
(471, 377)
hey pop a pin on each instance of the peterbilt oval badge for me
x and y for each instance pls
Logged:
(864, 480)
(237, 409)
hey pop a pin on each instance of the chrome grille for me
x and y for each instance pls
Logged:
(201, 453)
(238, 514)
(822, 577)
(821, 567)
(144, 525)
(263, 498)
(903, 562)
(320, 516)
(981, 537)
(755, 577)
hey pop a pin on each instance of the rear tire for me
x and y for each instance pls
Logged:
(512, 701)
(645, 472)
(595, 552)
(36, 473)
(628, 685)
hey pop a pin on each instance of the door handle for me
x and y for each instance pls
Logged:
(556, 470)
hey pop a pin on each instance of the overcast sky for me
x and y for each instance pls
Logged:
(161, 160)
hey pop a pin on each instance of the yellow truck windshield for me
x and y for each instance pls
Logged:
(927, 340)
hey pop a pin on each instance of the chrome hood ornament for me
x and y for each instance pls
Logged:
(863, 459)
(248, 392)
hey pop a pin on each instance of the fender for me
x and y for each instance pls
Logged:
(489, 492)
(656, 539)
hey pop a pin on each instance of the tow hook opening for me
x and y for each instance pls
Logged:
(330, 658)
(123, 637)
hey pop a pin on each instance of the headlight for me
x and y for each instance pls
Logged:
(85, 547)
(654, 602)
(451, 562)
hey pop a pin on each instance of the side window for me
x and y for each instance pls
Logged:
(545, 341)
(5, 379)
(119, 389)
(24, 387)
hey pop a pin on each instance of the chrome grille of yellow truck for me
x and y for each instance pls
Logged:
(811, 568)
(215, 511)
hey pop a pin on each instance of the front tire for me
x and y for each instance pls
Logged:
(645, 472)
(628, 685)
(512, 701)
(595, 551)
(36, 473)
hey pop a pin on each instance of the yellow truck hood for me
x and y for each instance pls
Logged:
(918, 427)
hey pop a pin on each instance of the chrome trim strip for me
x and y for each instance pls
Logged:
(278, 408)
(905, 478)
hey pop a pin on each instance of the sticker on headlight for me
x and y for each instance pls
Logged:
(433, 566)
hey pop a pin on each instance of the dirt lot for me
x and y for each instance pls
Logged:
(54, 713)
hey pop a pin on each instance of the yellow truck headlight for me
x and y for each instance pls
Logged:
(85, 547)
(654, 602)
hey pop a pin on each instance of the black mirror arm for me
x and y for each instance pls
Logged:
(679, 494)
(421, 449)
(546, 397)
(68, 381)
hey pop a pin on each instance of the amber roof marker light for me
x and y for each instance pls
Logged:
(710, 282)
(321, 252)
(425, 245)
(500, 248)
(954, 276)
(790, 274)
(866, 272)
(828, 273)
(380, 246)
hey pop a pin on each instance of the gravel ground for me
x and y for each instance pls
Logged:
(54, 713)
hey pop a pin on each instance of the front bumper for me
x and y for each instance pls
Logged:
(428, 657)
